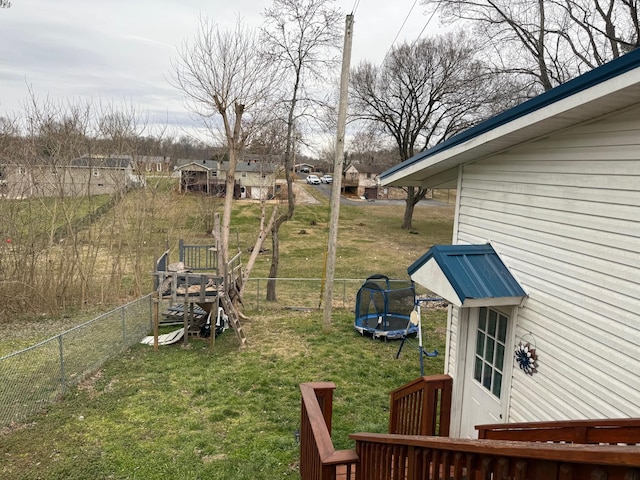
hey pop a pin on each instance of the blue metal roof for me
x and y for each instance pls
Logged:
(473, 271)
(594, 77)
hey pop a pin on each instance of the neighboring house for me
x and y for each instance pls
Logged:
(87, 175)
(152, 165)
(200, 176)
(305, 168)
(255, 176)
(546, 254)
(362, 179)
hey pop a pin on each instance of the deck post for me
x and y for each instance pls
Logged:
(156, 320)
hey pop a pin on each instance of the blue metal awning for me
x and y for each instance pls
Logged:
(467, 276)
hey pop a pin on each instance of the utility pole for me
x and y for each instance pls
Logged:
(337, 175)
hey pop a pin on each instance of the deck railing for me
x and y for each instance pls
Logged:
(408, 457)
(571, 450)
(318, 459)
(605, 431)
(199, 257)
(422, 407)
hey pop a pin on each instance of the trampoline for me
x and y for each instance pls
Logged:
(384, 306)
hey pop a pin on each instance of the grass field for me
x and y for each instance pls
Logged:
(231, 413)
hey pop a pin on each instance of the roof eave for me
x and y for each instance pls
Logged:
(433, 272)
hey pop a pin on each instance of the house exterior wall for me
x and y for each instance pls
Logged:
(255, 179)
(146, 165)
(564, 214)
(363, 182)
(392, 193)
(47, 181)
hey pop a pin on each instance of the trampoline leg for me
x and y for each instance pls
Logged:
(401, 345)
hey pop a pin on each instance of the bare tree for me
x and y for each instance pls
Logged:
(424, 93)
(5, 3)
(227, 82)
(301, 37)
(64, 231)
(600, 30)
(560, 39)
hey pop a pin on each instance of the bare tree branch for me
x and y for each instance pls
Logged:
(561, 38)
(424, 93)
(301, 37)
(228, 83)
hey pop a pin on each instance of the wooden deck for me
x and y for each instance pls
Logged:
(196, 280)
(569, 450)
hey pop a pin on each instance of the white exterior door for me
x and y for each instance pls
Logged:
(484, 390)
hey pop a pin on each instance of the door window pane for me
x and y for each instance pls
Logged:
(499, 356)
(489, 360)
(502, 329)
(497, 383)
(493, 319)
(488, 355)
(482, 319)
(477, 372)
(480, 344)
(486, 377)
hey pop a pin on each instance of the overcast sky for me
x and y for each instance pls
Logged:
(121, 50)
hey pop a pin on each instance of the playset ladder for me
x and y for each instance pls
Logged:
(234, 319)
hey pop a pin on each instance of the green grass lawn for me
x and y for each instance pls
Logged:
(221, 413)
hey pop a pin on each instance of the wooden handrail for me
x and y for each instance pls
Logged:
(318, 459)
(422, 407)
(413, 457)
(604, 431)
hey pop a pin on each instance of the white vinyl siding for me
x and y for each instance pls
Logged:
(452, 339)
(564, 214)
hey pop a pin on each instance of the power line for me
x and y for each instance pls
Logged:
(355, 7)
(426, 25)
(402, 26)
(400, 30)
(404, 23)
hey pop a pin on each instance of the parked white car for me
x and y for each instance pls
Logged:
(326, 179)
(313, 180)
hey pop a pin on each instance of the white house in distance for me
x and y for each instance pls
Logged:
(545, 254)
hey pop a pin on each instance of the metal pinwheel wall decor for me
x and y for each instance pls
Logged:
(526, 358)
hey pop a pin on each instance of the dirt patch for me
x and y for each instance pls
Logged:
(14, 427)
(89, 384)
(303, 196)
(265, 335)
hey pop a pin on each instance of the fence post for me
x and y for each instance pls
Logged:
(124, 326)
(258, 296)
(60, 349)
(152, 301)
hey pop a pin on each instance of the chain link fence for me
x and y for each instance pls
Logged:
(32, 378)
(308, 293)
(301, 292)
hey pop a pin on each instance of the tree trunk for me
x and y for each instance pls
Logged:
(410, 204)
(408, 216)
(228, 206)
(291, 202)
(275, 259)
(264, 230)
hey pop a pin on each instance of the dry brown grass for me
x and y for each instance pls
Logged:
(143, 225)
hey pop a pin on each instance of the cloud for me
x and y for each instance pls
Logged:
(121, 50)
